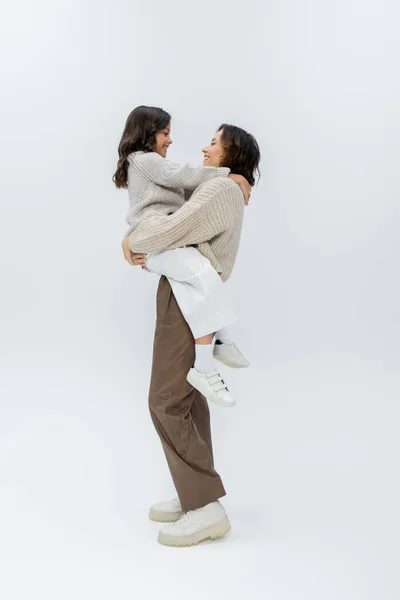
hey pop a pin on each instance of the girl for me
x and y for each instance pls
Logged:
(159, 187)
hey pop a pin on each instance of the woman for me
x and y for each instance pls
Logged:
(211, 220)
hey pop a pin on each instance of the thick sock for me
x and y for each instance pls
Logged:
(224, 335)
(204, 362)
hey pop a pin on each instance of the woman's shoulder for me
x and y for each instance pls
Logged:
(210, 190)
(221, 184)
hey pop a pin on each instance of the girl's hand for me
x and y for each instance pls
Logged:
(132, 257)
(243, 184)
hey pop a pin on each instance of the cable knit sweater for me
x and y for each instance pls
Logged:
(157, 186)
(211, 220)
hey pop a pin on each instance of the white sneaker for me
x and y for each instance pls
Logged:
(212, 386)
(166, 512)
(230, 355)
(208, 522)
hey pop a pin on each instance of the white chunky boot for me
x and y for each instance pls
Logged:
(208, 522)
(166, 512)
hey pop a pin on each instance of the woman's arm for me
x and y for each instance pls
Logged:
(211, 210)
(161, 171)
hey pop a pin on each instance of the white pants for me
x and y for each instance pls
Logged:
(197, 287)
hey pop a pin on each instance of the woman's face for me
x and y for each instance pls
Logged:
(214, 153)
(163, 140)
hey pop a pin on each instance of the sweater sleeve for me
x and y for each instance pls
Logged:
(203, 217)
(161, 171)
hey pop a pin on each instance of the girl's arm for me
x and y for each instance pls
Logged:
(161, 171)
(209, 212)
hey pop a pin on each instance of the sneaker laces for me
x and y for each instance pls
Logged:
(183, 520)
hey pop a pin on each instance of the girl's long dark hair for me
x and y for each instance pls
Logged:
(139, 134)
(242, 154)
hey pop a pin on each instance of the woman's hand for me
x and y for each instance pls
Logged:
(243, 184)
(133, 258)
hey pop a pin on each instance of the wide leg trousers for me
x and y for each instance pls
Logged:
(179, 412)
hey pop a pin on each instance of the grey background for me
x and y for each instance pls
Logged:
(310, 454)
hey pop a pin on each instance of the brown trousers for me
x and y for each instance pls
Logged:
(179, 412)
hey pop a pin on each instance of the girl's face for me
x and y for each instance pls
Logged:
(163, 140)
(214, 153)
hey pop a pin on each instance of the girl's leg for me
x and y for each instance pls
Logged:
(198, 289)
(204, 354)
(204, 302)
(201, 296)
(206, 339)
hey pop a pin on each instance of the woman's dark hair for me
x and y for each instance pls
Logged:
(242, 154)
(139, 134)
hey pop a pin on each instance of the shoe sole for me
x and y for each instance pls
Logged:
(230, 364)
(209, 398)
(164, 517)
(210, 533)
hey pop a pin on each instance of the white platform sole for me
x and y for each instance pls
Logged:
(163, 516)
(210, 533)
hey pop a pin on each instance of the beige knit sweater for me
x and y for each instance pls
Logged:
(158, 186)
(211, 220)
